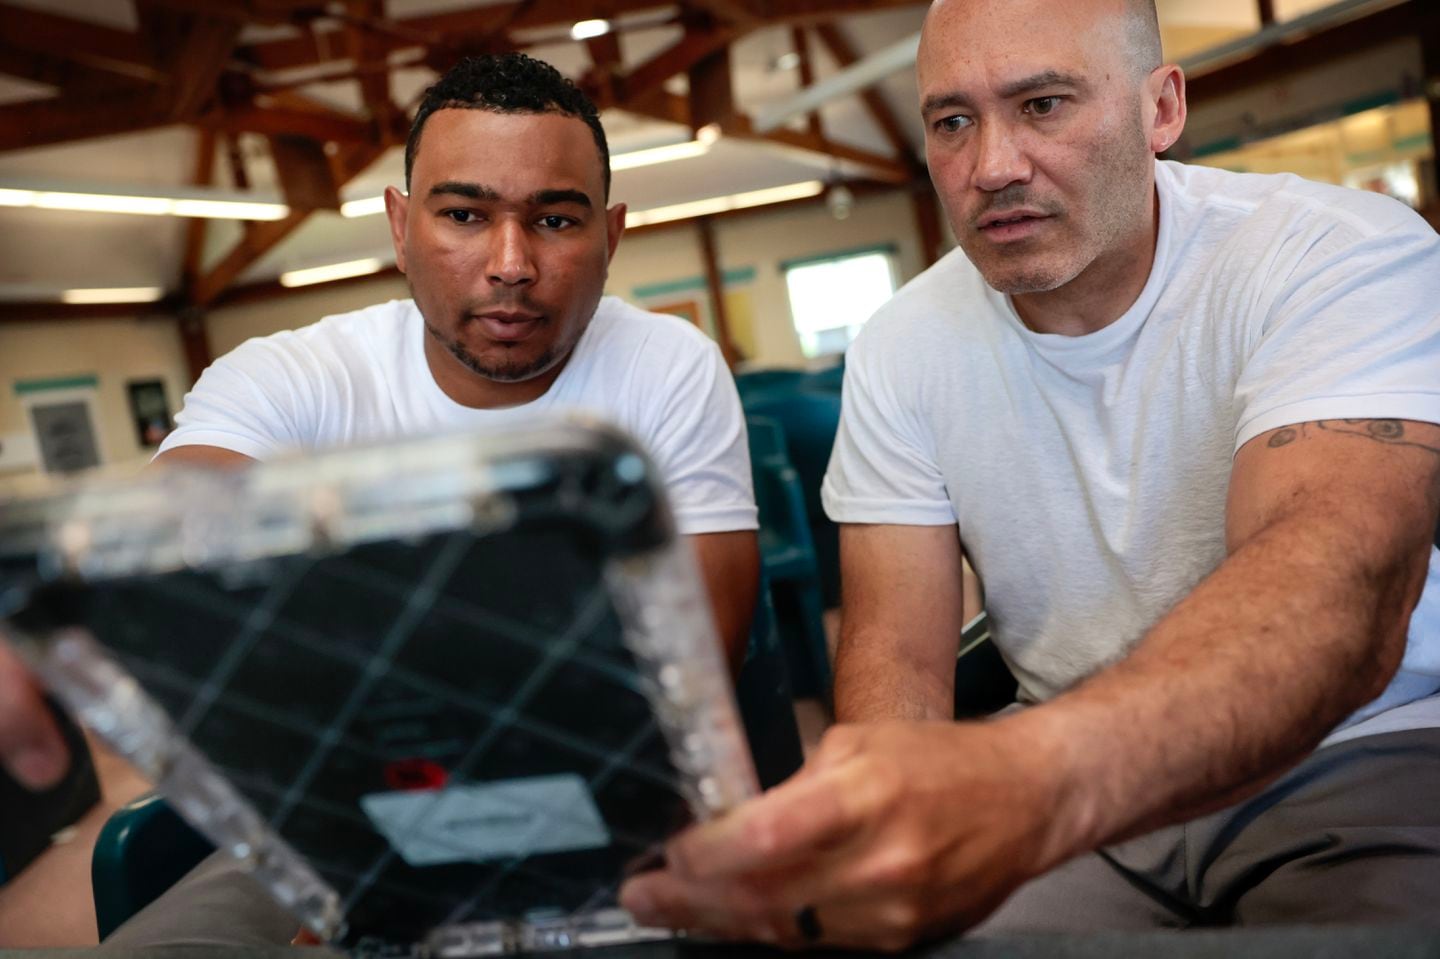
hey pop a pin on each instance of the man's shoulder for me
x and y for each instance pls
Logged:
(624, 327)
(946, 300)
(338, 340)
(1273, 203)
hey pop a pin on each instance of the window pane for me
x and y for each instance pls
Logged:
(830, 300)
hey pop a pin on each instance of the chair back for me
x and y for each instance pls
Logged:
(143, 849)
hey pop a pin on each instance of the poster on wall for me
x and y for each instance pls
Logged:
(65, 434)
(150, 410)
(62, 419)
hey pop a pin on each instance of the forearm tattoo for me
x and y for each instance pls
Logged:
(1389, 432)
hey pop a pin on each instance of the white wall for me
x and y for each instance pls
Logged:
(113, 350)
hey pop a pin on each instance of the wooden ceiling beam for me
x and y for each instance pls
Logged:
(305, 173)
(711, 98)
(77, 41)
(844, 53)
(676, 109)
(332, 126)
(690, 49)
(204, 175)
(260, 238)
(739, 13)
(34, 123)
(367, 49)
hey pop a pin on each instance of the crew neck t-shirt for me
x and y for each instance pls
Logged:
(362, 377)
(1088, 474)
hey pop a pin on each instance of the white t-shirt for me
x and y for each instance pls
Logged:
(362, 377)
(1088, 474)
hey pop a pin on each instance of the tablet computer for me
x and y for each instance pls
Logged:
(441, 695)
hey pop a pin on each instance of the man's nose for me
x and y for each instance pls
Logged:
(512, 262)
(1001, 160)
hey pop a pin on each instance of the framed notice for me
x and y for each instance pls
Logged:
(62, 418)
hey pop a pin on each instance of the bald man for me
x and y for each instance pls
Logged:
(1184, 423)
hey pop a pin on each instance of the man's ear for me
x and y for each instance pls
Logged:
(397, 207)
(614, 226)
(1166, 88)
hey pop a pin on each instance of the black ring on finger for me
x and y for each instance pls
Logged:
(808, 923)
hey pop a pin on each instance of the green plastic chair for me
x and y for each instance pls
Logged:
(808, 421)
(788, 560)
(143, 849)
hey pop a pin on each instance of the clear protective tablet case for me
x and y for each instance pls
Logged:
(441, 696)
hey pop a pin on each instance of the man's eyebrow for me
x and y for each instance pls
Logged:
(1036, 81)
(1015, 88)
(552, 197)
(472, 191)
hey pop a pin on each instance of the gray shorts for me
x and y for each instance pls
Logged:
(1351, 835)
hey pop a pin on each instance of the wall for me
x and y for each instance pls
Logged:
(114, 350)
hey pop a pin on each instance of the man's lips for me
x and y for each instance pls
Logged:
(1008, 217)
(1012, 224)
(508, 327)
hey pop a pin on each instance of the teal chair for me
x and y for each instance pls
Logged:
(788, 560)
(765, 699)
(808, 420)
(983, 683)
(142, 850)
(761, 380)
(829, 379)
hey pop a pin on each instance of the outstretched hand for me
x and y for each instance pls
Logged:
(892, 833)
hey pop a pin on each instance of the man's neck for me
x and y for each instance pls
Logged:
(468, 388)
(1102, 292)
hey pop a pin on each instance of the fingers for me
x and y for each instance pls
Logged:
(31, 749)
(791, 822)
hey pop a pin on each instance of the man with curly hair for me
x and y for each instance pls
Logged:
(505, 235)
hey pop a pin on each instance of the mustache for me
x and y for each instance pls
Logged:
(1010, 198)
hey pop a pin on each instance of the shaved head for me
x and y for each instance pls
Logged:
(1043, 118)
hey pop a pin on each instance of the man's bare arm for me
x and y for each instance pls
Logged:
(730, 566)
(211, 456)
(900, 625)
(1329, 532)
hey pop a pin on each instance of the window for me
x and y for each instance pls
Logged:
(833, 296)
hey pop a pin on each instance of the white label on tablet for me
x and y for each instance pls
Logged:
(493, 820)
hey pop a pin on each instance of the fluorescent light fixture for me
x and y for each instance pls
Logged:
(229, 210)
(366, 206)
(653, 155)
(99, 203)
(787, 61)
(119, 294)
(722, 204)
(141, 200)
(333, 271)
(587, 29)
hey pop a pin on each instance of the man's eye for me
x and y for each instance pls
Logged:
(1042, 106)
(462, 216)
(555, 221)
(953, 124)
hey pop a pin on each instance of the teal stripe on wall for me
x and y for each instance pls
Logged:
(84, 381)
(735, 277)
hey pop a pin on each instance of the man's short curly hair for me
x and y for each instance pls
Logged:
(507, 83)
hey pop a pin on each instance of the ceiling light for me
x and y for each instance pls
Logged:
(333, 271)
(653, 155)
(97, 203)
(722, 204)
(787, 61)
(588, 29)
(119, 294)
(708, 134)
(366, 206)
(142, 200)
